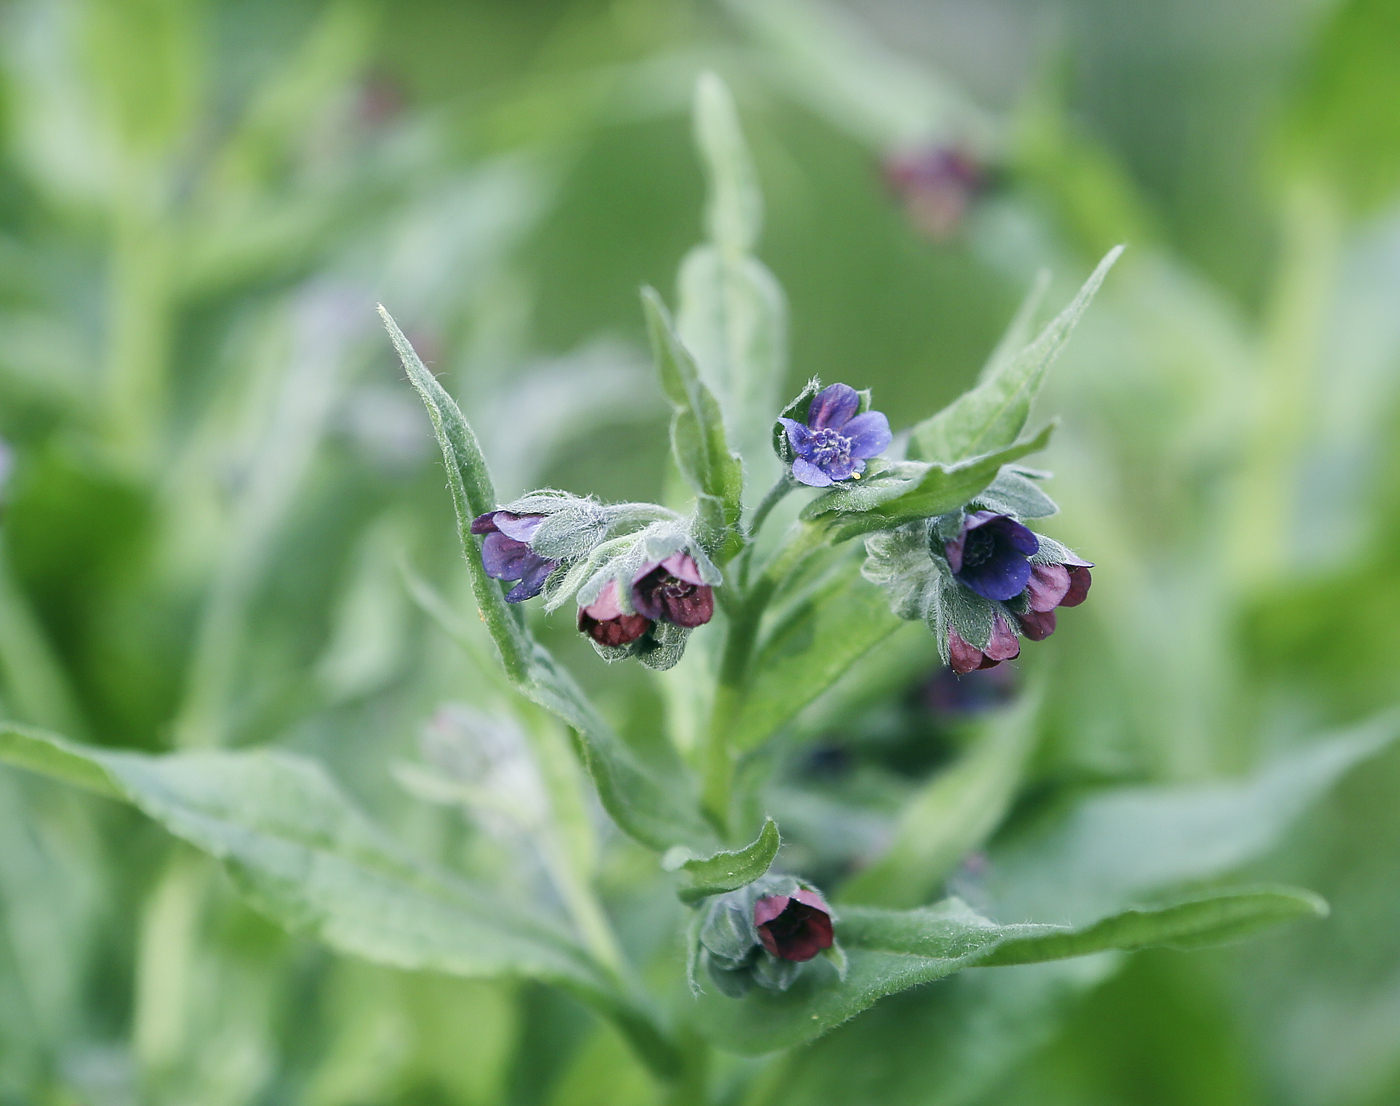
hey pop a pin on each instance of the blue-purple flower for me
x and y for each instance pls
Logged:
(506, 553)
(991, 555)
(834, 443)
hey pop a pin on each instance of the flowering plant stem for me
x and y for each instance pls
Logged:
(745, 615)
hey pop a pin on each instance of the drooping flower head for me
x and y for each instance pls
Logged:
(1052, 586)
(991, 555)
(794, 927)
(834, 443)
(607, 623)
(506, 553)
(673, 591)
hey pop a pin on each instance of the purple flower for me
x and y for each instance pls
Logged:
(673, 591)
(1052, 586)
(606, 623)
(964, 657)
(506, 552)
(835, 442)
(990, 555)
(793, 927)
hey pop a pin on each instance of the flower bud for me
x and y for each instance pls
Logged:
(606, 623)
(763, 934)
(506, 553)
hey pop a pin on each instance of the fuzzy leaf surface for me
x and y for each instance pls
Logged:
(653, 801)
(993, 414)
(727, 870)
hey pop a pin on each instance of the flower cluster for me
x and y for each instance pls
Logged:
(992, 557)
(671, 590)
(763, 934)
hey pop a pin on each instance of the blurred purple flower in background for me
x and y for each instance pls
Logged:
(835, 442)
(506, 553)
(937, 185)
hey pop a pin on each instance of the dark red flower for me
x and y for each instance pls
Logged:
(794, 927)
(605, 622)
(1052, 586)
(965, 657)
(673, 591)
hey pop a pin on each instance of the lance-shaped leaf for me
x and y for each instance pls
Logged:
(892, 950)
(993, 414)
(310, 860)
(698, 437)
(732, 315)
(815, 639)
(653, 801)
(952, 814)
(727, 870)
(906, 491)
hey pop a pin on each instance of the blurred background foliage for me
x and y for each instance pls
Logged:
(223, 523)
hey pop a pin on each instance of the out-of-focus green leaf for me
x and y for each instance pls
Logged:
(732, 315)
(993, 414)
(891, 950)
(952, 814)
(725, 870)
(1345, 121)
(654, 801)
(911, 490)
(1128, 842)
(306, 857)
(1192, 923)
(698, 437)
(814, 640)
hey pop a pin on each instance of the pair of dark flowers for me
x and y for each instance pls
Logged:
(991, 555)
(668, 590)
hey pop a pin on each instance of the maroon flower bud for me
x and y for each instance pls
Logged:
(605, 622)
(794, 927)
(1051, 586)
(937, 185)
(673, 591)
(964, 657)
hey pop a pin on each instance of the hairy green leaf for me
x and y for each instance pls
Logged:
(892, 950)
(698, 437)
(652, 801)
(909, 490)
(815, 639)
(993, 414)
(725, 870)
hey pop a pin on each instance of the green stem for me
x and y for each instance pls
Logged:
(774, 496)
(717, 760)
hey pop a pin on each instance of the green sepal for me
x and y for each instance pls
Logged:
(725, 870)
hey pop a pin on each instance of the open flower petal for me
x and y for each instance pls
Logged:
(833, 407)
(869, 433)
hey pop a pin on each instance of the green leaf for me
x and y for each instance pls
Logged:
(815, 639)
(732, 314)
(1014, 493)
(698, 437)
(734, 210)
(909, 490)
(1193, 923)
(1122, 844)
(306, 857)
(892, 950)
(726, 870)
(652, 801)
(952, 814)
(993, 414)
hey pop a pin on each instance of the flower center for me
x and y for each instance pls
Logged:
(829, 446)
(673, 587)
(978, 548)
